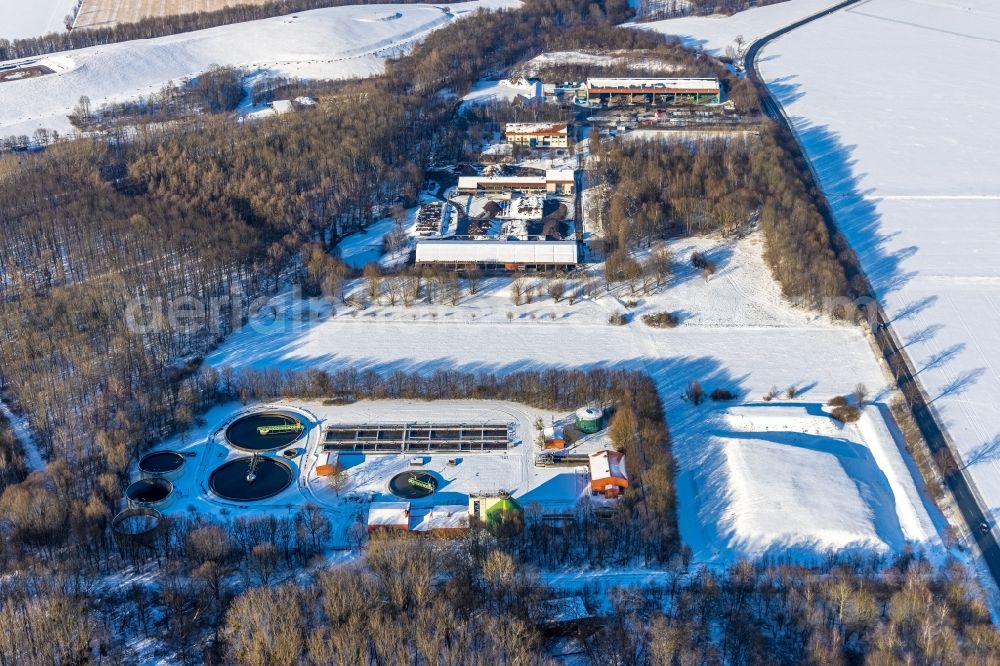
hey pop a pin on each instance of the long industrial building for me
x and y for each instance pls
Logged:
(555, 181)
(648, 92)
(498, 255)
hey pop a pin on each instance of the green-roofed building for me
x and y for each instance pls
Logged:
(502, 513)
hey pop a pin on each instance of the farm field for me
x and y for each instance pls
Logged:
(335, 43)
(20, 20)
(106, 13)
(910, 170)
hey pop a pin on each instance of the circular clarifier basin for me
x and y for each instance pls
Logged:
(136, 522)
(413, 485)
(162, 464)
(264, 431)
(149, 493)
(267, 477)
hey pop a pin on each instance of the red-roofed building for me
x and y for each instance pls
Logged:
(607, 473)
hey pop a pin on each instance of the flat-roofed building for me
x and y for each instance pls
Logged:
(498, 255)
(648, 92)
(538, 135)
(388, 517)
(442, 520)
(555, 181)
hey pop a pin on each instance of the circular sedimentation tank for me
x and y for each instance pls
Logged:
(162, 464)
(250, 478)
(137, 524)
(413, 484)
(264, 431)
(149, 493)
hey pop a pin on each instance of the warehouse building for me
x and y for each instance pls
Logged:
(555, 181)
(648, 92)
(537, 135)
(492, 256)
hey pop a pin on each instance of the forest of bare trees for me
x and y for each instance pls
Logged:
(725, 185)
(425, 602)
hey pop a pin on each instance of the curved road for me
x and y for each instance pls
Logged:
(973, 508)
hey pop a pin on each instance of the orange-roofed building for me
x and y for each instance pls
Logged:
(607, 473)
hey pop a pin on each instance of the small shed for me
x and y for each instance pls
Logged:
(553, 437)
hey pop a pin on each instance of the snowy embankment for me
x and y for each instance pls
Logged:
(737, 333)
(893, 103)
(785, 480)
(21, 20)
(715, 33)
(335, 43)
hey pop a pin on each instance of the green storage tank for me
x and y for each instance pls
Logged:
(589, 419)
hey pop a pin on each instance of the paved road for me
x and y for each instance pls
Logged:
(972, 507)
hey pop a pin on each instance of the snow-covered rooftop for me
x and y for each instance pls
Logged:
(607, 465)
(475, 182)
(497, 252)
(559, 176)
(444, 517)
(706, 85)
(389, 514)
(536, 128)
(467, 183)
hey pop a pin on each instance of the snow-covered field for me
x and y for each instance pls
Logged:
(20, 19)
(335, 43)
(715, 33)
(894, 102)
(737, 333)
